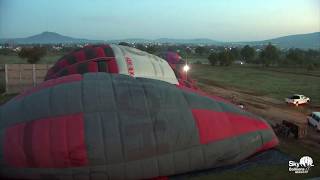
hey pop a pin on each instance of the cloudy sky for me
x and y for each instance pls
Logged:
(223, 20)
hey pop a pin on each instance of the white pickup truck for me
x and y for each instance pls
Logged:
(297, 99)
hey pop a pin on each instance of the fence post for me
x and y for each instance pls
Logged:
(20, 78)
(6, 76)
(34, 75)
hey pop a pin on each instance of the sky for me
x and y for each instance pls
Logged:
(222, 20)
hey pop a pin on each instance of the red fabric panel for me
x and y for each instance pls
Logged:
(130, 66)
(112, 66)
(72, 70)
(43, 156)
(99, 52)
(13, 146)
(51, 83)
(214, 126)
(59, 145)
(62, 63)
(80, 56)
(76, 145)
(49, 72)
(92, 66)
(49, 143)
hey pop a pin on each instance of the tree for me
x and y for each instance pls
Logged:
(313, 57)
(33, 55)
(124, 44)
(235, 53)
(152, 49)
(200, 50)
(269, 55)
(213, 58)
(247, 53)
(225, 58)
(296, 56)
(141, 47)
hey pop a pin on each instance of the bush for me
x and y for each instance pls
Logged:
(33, 55)
(213, 59)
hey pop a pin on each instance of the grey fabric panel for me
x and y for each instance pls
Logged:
(116, 171)
(98, 94)
(147, 114)
(150, 168)
(133, 170)
(65, 177)
(196, 158)
(231, 150)
(81, 174)
(112, 137)
(66, 99)
(99, 175)
(94, 137)
(11, 113)
(36, 106)
(103, 139)
(173, 120)
(166, 164)
(266, 136)
(181, 161)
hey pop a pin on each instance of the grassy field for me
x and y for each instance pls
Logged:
(203, 60)
(273, 82)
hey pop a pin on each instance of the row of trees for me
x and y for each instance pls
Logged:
(268, 56)
(217, 55)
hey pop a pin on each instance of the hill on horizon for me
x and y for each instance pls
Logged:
(303, 41)
(49, 38)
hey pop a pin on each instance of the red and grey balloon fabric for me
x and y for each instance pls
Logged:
(112, 126)
(114, 59)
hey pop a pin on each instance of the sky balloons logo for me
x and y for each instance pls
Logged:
(301, 167)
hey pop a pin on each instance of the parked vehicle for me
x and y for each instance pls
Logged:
(314, 120)
(297, 99)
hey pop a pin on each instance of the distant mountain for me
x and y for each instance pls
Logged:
(303, 41)
(189, 41)
(168, 40)
(49, 38)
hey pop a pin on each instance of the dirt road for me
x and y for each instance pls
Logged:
(271, 109)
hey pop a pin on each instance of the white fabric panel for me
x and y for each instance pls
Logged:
(144, 64)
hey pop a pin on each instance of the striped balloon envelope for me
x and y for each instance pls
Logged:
(100, 125)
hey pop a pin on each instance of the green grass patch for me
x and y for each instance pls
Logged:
(276, 83)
